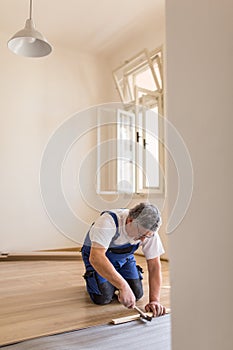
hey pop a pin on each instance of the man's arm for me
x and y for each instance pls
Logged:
(155, 281)
(104, 268)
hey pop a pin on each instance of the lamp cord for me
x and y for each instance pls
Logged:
(30, 13)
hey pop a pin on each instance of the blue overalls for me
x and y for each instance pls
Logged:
(122, 258)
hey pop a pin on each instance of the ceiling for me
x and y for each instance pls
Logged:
(94, 26)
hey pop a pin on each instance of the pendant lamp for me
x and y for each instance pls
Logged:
(28, 41)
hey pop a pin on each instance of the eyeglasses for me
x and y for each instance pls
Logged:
(144, 235)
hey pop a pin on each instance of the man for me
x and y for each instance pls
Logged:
(108, 255)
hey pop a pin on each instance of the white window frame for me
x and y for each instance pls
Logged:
(136, 99)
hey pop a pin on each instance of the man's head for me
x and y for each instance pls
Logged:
(146, 215)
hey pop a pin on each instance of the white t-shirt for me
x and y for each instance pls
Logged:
(104, 229)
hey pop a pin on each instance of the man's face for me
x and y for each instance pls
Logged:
(136, 231)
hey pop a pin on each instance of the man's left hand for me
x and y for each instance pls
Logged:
(155, 307)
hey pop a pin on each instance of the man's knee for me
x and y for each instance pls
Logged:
(100, 299)
(136, 286)
(107, 292)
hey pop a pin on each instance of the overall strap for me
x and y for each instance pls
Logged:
(114, 216)
(124, 250)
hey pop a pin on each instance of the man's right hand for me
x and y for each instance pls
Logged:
(126, 297)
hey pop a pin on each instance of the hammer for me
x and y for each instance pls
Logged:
(143, 315)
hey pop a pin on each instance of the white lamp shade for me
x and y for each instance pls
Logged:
(29, 42)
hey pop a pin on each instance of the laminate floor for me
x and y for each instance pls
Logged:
(135, 335)
(47, 297)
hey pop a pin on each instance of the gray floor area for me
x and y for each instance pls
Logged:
(133, 335)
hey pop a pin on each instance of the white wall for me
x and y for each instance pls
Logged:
(37, 95)
(199, 104)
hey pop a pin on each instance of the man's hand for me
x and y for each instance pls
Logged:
(126, 297)
(156, 308)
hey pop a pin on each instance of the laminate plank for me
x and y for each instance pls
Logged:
(40, 255)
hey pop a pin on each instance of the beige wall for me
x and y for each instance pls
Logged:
(37, 95)
(199, 104)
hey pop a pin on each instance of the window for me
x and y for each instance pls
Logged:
(130, 154)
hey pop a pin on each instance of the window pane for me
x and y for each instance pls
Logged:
(145, 80)
(125, 152)
(151, 148)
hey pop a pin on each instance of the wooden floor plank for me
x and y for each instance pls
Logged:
(40, 255)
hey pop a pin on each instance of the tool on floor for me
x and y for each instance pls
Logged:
(129, 318)
(143, 314)
(134, 317)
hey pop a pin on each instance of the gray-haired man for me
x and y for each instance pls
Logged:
(108, 255)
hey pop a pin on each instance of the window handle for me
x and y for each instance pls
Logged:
(144, 143)
(137, 136)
